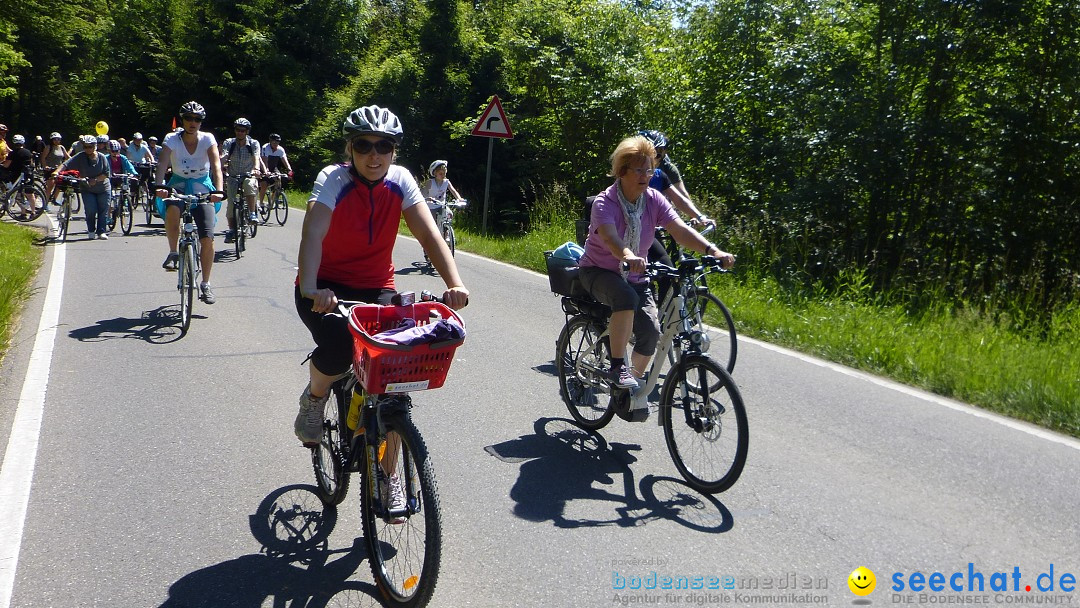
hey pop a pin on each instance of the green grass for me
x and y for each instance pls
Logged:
(951, 351)
(19, 260)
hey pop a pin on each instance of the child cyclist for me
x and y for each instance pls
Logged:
(437, 186)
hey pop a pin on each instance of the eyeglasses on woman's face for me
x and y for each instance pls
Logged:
(364, 146)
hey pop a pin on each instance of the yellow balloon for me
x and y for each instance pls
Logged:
(102, 127)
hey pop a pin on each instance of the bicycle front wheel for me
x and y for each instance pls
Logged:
(76, 203)
(281, 208)
(706, 430)
(451, 240)
(127, 215)
(22, 209)
(328, 459)
(186, 284)
(705, 307)
(63, 218)
(239, 233)
(404, 549)
(582, 371)
(149, 206)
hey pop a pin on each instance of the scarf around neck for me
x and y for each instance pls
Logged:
(632, 214)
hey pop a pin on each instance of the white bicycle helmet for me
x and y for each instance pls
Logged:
(372, 120)
(435, 165)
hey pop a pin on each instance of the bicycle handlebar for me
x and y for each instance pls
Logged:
(201, 199)
(400, 299)
(461, 202)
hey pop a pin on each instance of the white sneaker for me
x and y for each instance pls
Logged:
(393, 496)
(103, 236)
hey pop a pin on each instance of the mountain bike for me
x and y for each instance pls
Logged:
(69, 185)
(243, 228)
(700, 409)
(189, 266)
(121, 207)
(368, 429)
(704, 306)
(443, 212)
(274, 199)
(23, 200)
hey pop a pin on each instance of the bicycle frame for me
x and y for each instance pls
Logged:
(673, 321)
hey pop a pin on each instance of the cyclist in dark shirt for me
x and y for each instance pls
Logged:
(19, 162)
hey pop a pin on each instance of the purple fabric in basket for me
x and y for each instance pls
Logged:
(409, 333)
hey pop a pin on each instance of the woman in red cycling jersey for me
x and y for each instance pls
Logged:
(347, 245)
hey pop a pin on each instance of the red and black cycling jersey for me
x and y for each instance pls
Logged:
(358, 248)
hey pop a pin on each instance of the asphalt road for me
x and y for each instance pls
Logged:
(159, 455)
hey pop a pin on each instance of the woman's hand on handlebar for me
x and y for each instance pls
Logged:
(456, 297)
(635, 263)
(216, 196)
(727, 261)
(323, 300)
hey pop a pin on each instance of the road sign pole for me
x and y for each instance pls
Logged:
(487, 185)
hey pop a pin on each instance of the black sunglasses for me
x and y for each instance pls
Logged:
(363, 146)
(191, 118)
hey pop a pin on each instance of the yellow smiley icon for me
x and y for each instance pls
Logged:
(861, 581)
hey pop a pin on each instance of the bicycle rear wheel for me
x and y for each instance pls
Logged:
(706, 430)
(581, 374)
(328, 459)
(281, 208)
(265, 204)
(404, 556)
(127, 215)
(186, 280)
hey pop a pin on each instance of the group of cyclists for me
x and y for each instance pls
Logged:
(351, 227)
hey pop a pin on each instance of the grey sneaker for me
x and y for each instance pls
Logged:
(393, 496)
(171, 262)
(91, 235)
(206, 294)
(309, 421)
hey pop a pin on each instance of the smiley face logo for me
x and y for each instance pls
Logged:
(862, 581)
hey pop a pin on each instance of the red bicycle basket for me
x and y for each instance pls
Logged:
(383, 367)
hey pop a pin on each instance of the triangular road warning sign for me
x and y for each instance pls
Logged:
(493, 121)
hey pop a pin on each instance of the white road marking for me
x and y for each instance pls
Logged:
(17, 472)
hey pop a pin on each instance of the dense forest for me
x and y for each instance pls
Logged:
(930, 147)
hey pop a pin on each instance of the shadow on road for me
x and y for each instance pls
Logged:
(158, 326)
(562, 464)
(418, 268)
(293, 568)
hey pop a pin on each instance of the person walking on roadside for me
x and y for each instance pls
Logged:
(94, 168)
